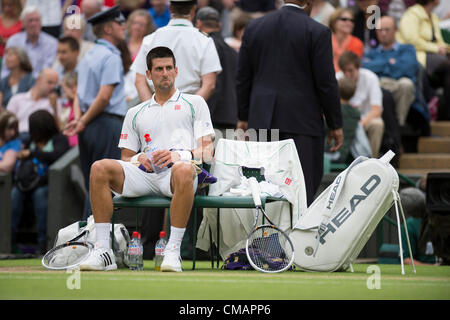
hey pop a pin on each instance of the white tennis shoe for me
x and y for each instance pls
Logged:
(171, 261)
(100, 259)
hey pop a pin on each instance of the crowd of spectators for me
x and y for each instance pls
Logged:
(397, 67)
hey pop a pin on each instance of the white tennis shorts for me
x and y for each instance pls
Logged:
(140, 183)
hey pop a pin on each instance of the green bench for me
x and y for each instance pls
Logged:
(200, 201)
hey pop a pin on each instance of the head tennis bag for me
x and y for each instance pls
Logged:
(337, 225)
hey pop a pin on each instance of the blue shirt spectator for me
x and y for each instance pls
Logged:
(400, 61)
(10, 144)
(397, 67)
(15, 144)
(160, 19)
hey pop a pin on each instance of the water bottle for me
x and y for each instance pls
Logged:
(429, 251)
(135, 252)
(151, 147)
(159, 250)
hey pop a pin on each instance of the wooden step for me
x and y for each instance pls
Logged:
(440, 128)
(424, 161)
(433, 145)
(414, 173)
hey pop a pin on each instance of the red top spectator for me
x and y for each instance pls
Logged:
(106, 3)
(9, 21)
(110, 3)
(341, 25)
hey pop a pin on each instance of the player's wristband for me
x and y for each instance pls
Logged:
(134, 159)
(185, 155)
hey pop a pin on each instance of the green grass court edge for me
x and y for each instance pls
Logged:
(28, 280)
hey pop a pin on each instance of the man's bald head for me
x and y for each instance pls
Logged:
(386, 32)
(46, 82)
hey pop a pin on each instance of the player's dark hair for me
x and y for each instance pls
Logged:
(159, 52)
(181, 9)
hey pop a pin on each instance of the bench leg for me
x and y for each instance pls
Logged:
(218, 237)
(194, 237)
(112, 228)
(137, 220)
(211, 248)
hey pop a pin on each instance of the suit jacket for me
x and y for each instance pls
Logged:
(286, 79)
(222, 103)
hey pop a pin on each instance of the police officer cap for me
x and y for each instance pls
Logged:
(207, 14)
(112, 14)
(183, 1)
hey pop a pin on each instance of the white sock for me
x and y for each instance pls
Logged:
(176, 236)
(102, 231)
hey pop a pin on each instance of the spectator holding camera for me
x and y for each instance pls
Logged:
(40, 96)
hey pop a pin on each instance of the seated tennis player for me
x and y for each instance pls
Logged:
(172, 121)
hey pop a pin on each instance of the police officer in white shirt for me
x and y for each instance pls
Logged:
(172, 120)
(195, 52)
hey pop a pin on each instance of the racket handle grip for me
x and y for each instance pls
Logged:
(254, 187)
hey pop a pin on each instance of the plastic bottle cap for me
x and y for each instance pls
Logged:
(136, 235)
(162, 234)
(147, 137)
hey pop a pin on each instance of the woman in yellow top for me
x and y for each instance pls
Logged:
(419, 26)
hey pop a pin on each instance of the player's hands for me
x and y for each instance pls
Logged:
(145, 161)
(243, 126)
(162, 158)
(337, 137)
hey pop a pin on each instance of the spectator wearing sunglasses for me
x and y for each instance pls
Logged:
(341, 25)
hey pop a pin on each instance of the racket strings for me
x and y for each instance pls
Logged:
(269, 249)
(66, 255)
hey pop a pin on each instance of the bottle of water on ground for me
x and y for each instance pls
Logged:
(135, 252)
(159, 250)
(151, 147)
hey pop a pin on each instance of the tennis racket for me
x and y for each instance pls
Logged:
(68, 255)
(268, 248)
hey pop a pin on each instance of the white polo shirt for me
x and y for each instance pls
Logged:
(368, 91)
(195, 53)
(177, 124)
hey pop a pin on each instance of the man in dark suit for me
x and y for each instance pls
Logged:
(222, 103)
(286, 81)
